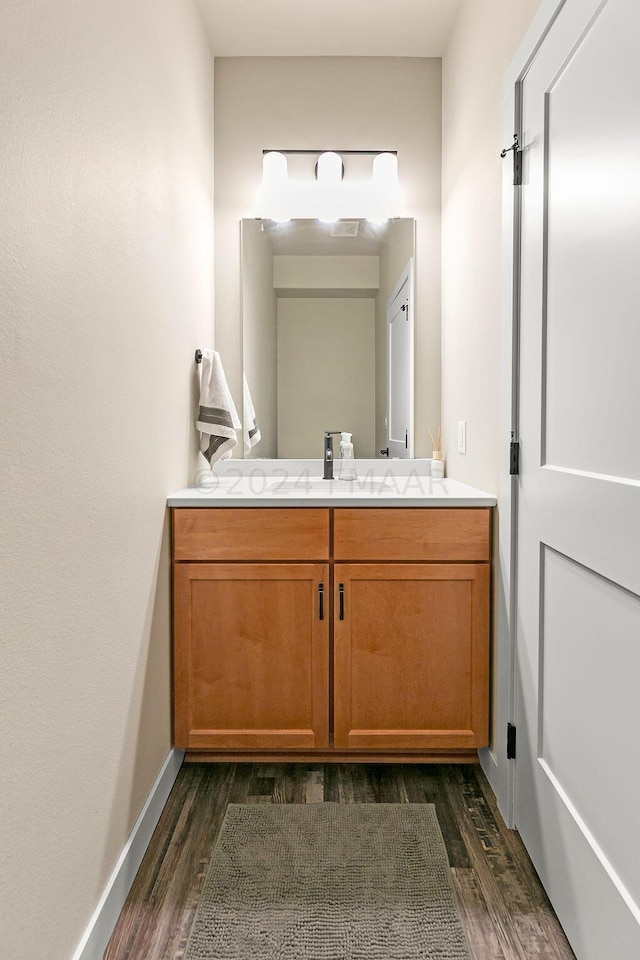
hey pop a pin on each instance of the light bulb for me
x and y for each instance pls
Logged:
(385, 170)
(384, 183)
(329, 176)
(330, 169)
(273, 204)
(274, 167)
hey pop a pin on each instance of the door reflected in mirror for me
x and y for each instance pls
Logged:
(328, 333)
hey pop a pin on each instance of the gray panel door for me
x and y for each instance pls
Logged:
(578, 598)
(400, 367)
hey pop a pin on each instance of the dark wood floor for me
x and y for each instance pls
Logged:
(505, 910)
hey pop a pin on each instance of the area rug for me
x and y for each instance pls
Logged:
(329, 881)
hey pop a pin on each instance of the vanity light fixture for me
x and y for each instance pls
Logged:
(328, 195)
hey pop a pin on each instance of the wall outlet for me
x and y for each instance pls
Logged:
(462, 436)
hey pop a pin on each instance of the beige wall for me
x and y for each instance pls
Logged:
(482, 45)
(105, 253)
(343, 103)
(325, 273)
(484, 41)
(259, 334)
(326, 374)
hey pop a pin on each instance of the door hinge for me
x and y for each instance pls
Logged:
(514, 458)
(517, 168)
(511, 741)
(517, 160)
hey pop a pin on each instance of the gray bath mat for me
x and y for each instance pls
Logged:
(329, 881)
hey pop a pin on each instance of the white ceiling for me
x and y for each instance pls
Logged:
(329, 28)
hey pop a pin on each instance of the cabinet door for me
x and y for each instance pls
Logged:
(251, 656)
(411, 656)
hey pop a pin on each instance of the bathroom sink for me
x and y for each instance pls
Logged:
(316, 486)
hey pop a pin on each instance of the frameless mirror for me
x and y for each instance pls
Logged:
(327, 323)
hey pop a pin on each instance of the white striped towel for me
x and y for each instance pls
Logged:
(218, 418)
(250, 429)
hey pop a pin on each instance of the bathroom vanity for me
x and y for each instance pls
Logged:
(335, 622)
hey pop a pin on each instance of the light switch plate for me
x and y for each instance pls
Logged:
(462, 436)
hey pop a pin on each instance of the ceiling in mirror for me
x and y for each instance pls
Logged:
(315, 238)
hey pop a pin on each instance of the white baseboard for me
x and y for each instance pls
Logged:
(500, 780)
(101, 926)
(489, 763)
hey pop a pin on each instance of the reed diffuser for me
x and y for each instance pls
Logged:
(437, 463)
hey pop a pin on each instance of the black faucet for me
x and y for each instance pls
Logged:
(328, 453)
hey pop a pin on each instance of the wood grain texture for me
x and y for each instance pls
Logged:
(412, 534)
(504, 873)
(250, 533)
(331, 756)
(405, 674)
(411, 657)
(161, 905)
(251, 657)
(504, 908)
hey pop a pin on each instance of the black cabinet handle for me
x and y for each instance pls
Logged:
(321, 601)
(341, 593)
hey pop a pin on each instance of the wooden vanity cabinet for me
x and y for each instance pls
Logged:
(251, 640)
(251, 656)
(411, 665)
(396, 601)
(411, 649)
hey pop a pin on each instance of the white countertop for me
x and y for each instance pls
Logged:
(280, 483)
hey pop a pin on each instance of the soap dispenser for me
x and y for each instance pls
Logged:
(437, 463)
(347, 462)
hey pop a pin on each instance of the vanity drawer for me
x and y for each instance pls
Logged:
(224, 533)
(431, 533)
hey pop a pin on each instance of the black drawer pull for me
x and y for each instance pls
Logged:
(341, 592)
(321, 600)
